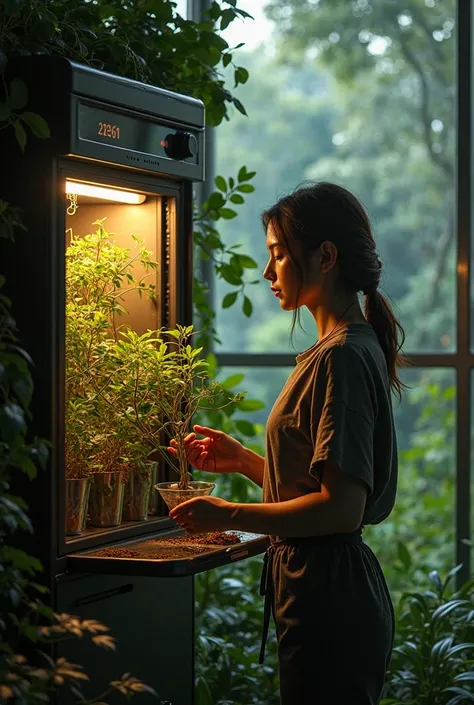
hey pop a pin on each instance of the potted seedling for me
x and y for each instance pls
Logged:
(77, 470)
(159, 383)
(140, 476)
(98, 276)
(108, 467)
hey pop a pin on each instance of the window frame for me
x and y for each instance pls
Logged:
(462, 360)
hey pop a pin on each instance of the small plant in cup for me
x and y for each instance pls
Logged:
(159, 383)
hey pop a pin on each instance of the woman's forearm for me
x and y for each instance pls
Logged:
(314, 514)
(251, 465)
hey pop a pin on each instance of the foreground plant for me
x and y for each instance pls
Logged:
(433, 659)
(22, 682)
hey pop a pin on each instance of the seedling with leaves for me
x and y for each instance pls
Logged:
(158, 385)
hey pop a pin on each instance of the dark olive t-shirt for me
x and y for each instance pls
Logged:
(335, 406)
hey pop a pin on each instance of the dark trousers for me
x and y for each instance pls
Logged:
(334, 620)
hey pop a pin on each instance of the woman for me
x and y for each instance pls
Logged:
(331, 458)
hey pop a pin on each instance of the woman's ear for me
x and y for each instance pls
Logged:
(328, 257)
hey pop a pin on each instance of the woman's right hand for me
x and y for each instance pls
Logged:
(216, 452)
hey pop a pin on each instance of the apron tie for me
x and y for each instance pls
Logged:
(266, 590)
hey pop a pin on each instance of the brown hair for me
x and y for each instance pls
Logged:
(326, 211)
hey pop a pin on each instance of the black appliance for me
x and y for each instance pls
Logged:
(128, 152)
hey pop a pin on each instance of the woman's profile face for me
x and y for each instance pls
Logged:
(284, 279)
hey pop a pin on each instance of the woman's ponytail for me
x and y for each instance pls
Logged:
(390, 334)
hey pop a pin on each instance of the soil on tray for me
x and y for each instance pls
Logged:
(172, 548)
(215, 538)
(163, 552)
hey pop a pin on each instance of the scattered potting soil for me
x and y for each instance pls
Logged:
(157, 552)
(215, 538)
(171, 548)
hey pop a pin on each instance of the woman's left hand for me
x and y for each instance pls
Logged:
(203, 514)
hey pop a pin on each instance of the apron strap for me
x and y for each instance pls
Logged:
(266, 591)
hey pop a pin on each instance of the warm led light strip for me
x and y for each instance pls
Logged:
(108, 194)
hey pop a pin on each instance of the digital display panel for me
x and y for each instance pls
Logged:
(133, 133)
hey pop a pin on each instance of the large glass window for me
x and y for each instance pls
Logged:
(365, 97)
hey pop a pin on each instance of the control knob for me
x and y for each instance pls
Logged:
(181, 145)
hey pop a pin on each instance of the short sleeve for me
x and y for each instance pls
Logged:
(343, 424)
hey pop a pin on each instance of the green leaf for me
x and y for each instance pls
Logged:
(203, 692)
(247, 262)
(221, 183)
(246, 188)
(236, 198)
(436, 580)
(229, 274)
(245, 427)
(20, 135)
(226, 59)
(229, 299)
(211, 360)
(403, 555)
(241, 75)
(235, 264)
(251, 405)
(227, 213)
(468, 697)
(18, 95)
(232, 381)
(242, 175)
(226, 18)
(239, 106)
(5, 111)
(245, 175)
(37, 124)
(247, 307)
(215, 201)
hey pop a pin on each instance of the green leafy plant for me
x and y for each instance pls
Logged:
(148, 42)
(99, 274)
(228, 629)
(156, 381)
(158, 384)
(229, 264)
(12, 113)
(434, 654)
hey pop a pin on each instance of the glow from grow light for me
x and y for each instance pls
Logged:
(107, 194)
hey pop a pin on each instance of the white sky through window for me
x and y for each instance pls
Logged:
(252, 32)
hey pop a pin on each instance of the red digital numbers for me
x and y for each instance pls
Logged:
(107, 130)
